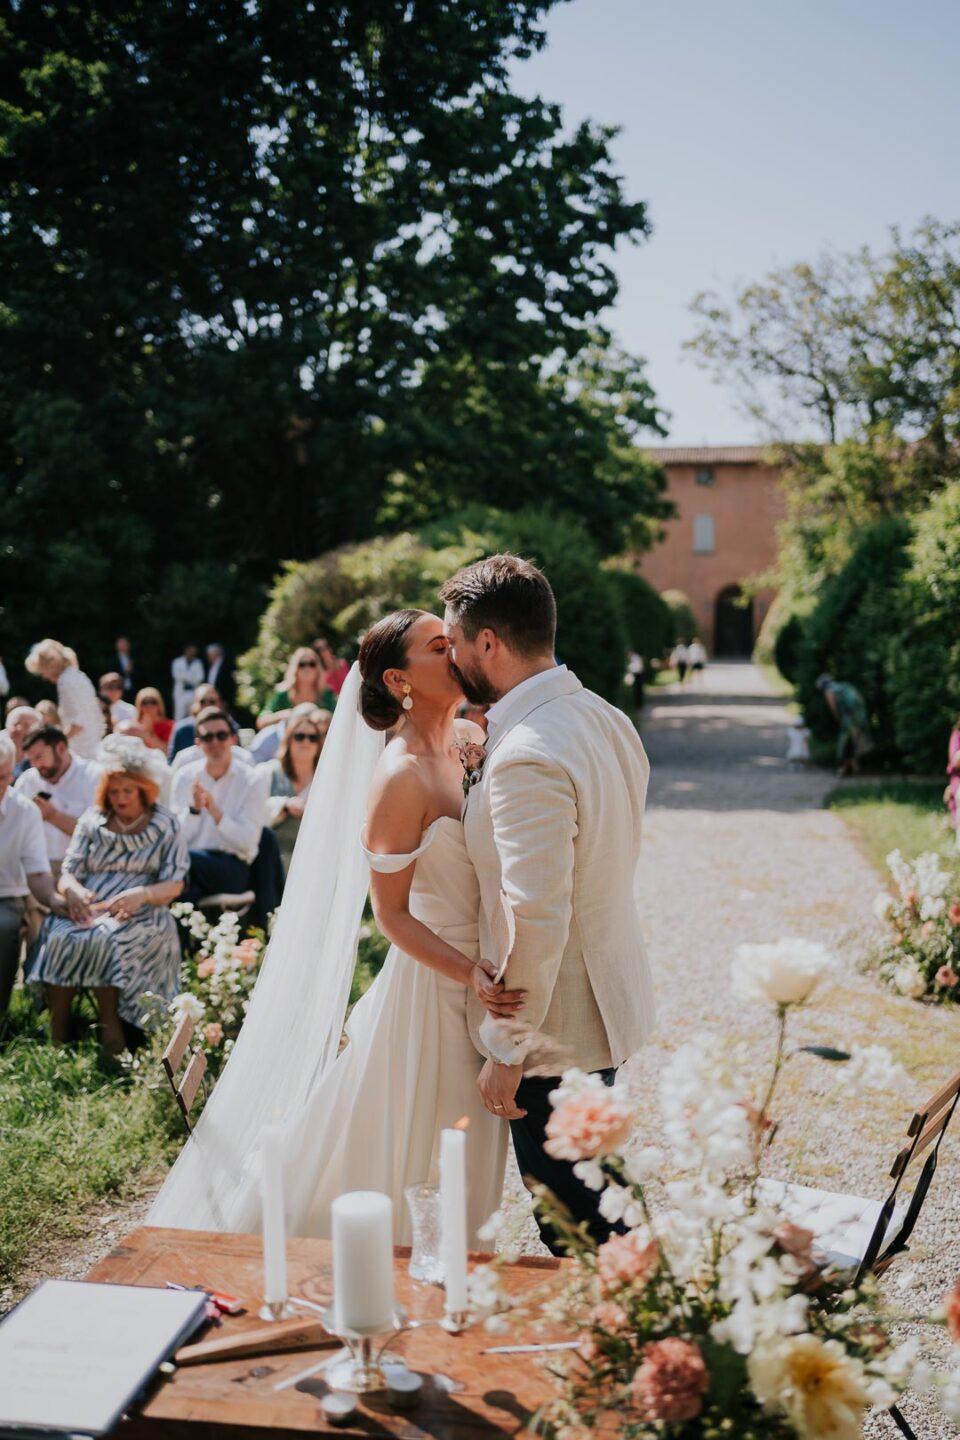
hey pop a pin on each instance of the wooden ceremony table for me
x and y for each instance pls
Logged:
(493, 1395)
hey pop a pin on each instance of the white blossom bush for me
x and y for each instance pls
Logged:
(919, 952)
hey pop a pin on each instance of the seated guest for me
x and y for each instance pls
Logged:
(61, 786)
(111, 690)
(220, 804)
(335, 668)
(20, 721)
(291, 774)
(76, 698)
(185, 730)
(303, 684)
(14, 702)
(151, 716)
(125, 864)
(24, 870)
(49, 714)
(195, 752)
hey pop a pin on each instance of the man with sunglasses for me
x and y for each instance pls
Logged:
(221, 806)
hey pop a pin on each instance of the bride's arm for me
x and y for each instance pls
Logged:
(395, 826)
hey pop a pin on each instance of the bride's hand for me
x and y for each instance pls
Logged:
(503, 1004)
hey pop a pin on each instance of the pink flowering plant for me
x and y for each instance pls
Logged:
(918, 954)
(711, 1313)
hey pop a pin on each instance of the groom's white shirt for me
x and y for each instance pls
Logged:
(554, 825)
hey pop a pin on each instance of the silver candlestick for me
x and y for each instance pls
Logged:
(362, 1369)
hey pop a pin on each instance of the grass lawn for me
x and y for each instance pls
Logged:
(71, 1134)
(905, 815)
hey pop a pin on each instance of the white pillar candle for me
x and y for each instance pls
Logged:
(363, 1262)
(453, 1217)
(274, 1228)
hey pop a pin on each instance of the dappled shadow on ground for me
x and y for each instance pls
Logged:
(721, 752)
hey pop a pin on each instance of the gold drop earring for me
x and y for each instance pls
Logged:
(406, 703)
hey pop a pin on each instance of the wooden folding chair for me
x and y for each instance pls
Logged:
(185, 1089)
(871, 1234)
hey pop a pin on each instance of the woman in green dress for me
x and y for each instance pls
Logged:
(303, 684)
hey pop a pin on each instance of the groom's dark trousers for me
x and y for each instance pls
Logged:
(529, 1134)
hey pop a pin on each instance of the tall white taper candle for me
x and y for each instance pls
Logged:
(274, 1228)
(453, 1217)
(363, 1262)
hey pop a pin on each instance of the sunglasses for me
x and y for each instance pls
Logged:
(212, 736)
(305, 735)
(145, 703)
(306, 664)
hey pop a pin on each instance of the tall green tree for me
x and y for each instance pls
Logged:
(258, 262)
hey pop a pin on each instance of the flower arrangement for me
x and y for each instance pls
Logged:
(919, 954)
(220, 969)
(712, 1314)
(472, 756)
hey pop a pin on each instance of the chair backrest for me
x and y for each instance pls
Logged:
(185, 1088)
(927, 1127)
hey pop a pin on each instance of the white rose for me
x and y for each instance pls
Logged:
(909, 980)
(882, 905)
(187, 1004)
(783, 973)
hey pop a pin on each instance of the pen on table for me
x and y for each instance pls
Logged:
(226, 1304)
(529, 1349)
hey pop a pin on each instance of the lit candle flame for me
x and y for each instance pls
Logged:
(462, 1123)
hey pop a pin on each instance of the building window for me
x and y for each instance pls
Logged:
(704, 539)
(706, 477)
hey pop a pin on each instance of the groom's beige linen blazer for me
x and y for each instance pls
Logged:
(553, 830)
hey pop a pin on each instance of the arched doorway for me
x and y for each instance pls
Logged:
(732, 625)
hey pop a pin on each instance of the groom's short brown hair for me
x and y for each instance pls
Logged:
(508, 595)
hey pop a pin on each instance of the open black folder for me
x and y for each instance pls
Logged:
(74, 1356)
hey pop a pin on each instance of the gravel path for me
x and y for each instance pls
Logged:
(739, 848)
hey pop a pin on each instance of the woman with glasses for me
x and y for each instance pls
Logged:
(155, 729)
(303, 684)
(291, 774)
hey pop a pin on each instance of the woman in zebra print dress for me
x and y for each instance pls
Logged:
(126, 864)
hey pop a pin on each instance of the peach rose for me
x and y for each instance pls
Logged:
(796, 1241)
(213, 1033)
(947, 977)
(248, 953)
(951, 1303)
(927, 928)
(206, 968)
(586, 1125)
(626, 1260)
(672, 1381)
(953, 914)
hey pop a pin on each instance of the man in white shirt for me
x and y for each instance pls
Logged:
(61, 786)
(221, 806)
(111, 690)
(24, 870)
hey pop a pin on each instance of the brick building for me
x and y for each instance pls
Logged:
(729, 502)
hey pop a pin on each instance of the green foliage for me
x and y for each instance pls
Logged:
(70, 1134)
(848, 634)
(925, 644)
(787, 647)
(685, 625)
(648, 617)
(346, 590)
(351, 282)
(906, 815)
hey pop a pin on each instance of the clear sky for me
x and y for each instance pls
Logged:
(760, 132)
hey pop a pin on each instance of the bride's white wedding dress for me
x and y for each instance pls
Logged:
(366, 1116)
(409, 1068)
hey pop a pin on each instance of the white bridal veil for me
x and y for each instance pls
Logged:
(292, 1031)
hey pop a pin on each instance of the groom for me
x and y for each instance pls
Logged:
(553, 830)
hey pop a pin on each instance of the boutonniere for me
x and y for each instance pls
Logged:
(472, 755)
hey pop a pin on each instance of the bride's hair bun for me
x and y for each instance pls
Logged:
(384, 647)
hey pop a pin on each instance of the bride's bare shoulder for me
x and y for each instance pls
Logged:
(397, 804)
(470, 730)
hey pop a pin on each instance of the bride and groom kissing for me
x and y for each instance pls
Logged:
(507, 891)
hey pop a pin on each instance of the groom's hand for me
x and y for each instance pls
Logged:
(498, 1089)
(501, 1003)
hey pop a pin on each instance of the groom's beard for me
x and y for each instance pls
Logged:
(475, 686)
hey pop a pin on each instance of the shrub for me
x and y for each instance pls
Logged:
(647, 616)
(925, 645)
(848, 633)
(684, 621)
(346, 590)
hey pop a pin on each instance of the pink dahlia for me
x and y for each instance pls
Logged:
(947, 977)
(586, 1125)
(626, 1260)
(672, 1381)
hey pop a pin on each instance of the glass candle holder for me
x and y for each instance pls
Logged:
(426, 1262)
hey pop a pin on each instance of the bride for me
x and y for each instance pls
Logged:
(366, 1116)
